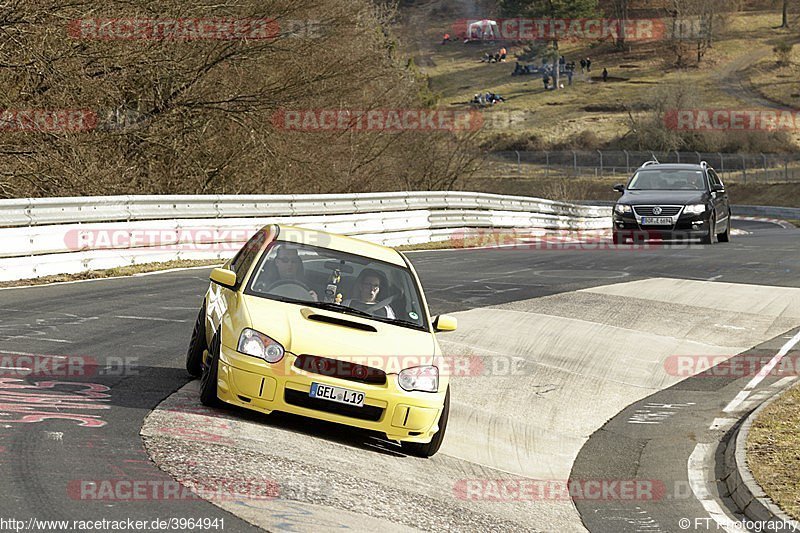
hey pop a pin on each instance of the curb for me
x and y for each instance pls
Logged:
(743, 489)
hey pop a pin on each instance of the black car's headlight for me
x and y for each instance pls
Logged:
(695, 209)
(256, 344)
(623, 209)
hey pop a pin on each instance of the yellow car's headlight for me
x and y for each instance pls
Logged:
(256, 344)
(420, 378)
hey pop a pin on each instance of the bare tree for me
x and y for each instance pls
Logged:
(196, 116)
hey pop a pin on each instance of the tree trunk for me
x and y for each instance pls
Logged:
(785, 16)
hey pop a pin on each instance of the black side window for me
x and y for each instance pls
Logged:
(714, 178)
(245, 257)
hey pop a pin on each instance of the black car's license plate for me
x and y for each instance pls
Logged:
(657, 221)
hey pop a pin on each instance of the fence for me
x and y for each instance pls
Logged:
(740, 168)
(60, 235)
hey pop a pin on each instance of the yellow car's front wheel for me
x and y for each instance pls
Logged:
(194, 357)
(208, 381)
(430, 448)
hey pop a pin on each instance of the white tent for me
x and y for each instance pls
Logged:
(483, 30)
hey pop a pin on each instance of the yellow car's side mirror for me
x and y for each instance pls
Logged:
(445, 323)
(224, 277)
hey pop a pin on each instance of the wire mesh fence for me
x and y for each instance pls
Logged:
(743, 168)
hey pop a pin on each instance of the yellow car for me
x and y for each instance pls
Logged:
(324, 326)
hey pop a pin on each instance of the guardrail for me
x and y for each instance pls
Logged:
(69, 235)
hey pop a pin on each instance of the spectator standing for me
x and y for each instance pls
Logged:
(605, 74)
(446, 38)
(588, 65)
(583, 66)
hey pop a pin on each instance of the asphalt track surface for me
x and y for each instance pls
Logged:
(58, 433)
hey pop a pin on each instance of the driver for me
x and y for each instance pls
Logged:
(369, 286)
(288, 266)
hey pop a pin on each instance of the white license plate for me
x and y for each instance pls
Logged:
(337, 394)
(657, 221)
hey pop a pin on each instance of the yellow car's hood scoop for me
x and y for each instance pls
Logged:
(311, 314)
(313, 331)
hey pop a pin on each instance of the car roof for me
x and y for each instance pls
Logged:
(341, 243)
(672, 166)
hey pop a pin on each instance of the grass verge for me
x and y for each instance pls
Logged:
(773, 451)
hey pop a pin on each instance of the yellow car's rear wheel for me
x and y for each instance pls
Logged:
(430, 448)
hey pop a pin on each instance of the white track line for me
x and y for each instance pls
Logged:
(704, 452)
(764, 372)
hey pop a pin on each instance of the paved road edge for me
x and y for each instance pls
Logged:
(743, 488)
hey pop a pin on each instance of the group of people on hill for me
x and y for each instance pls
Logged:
(497, 57)
(483, 100)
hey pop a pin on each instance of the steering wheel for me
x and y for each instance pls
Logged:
(292, 288)
(381, 304)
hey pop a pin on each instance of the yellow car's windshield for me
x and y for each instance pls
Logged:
(338, 281)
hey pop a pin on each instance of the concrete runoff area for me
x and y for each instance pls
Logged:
(554, 370)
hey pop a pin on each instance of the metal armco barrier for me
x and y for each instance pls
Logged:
(50, 236)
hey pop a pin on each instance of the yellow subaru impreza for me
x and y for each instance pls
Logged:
(324, 326)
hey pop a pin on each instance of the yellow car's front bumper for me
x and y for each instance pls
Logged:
(255, 384)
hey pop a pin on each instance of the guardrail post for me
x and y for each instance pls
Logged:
(519, 164)
(574, 162)
(627, 162)
(677, 156)
(547, 164)
(721, 163)
(764, 159)
(699, 159)
(601, 162)
(744, 169)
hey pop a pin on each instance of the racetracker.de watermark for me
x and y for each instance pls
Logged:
(158, 239)
(377, 120)
(519, 490)
(727, 366)
(47, 120)
(174, 29)
(131, 490)
(24, 365)
(732, 120)
(563, 29)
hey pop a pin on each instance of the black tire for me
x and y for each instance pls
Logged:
(726, 235)
(708, 238)
(194, 357)
(208, 381)
(430, 449)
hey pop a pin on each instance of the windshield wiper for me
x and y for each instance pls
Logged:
(398, 322)
(340, 308)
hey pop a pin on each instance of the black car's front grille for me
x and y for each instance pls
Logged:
(648, 210)
(302, 399)
(325, 366)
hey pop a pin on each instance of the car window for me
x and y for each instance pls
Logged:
(714, 178)
(338, 281)
(241, 263)
(667, 179)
